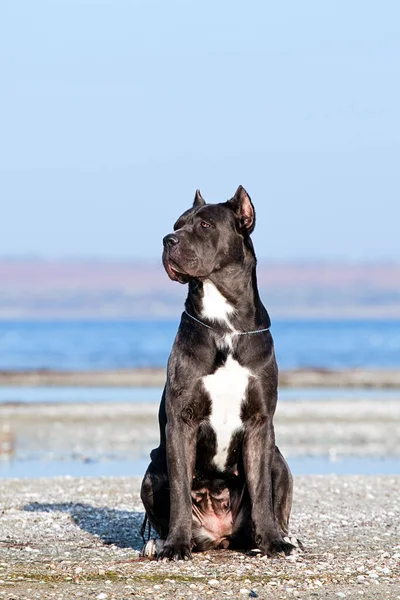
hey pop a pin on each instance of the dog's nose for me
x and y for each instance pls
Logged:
(170, 240)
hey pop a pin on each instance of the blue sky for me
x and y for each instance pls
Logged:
(112, 112)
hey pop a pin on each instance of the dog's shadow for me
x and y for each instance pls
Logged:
(120, 528)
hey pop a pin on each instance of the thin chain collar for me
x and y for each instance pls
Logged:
(233, 333)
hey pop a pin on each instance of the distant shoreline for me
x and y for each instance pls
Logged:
(155, 377)
(84, 289)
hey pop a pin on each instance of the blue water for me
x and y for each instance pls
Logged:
(301, 465)
(110, 344)
(116, 395)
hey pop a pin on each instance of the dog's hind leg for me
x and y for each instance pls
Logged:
(155, 497)
(282, 490)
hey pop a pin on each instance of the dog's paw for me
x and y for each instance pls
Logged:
(295, 542)
(278, 546)
(175, 551)
(152, 548)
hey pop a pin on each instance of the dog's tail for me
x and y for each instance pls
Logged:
(143, 528)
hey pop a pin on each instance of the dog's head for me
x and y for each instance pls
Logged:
(209, 237)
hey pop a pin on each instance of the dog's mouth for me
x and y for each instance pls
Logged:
(174, 272)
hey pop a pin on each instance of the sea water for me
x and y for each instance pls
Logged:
(83, 345)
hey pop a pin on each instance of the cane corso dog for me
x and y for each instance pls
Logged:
(217, 479)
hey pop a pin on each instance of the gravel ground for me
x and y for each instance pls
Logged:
(79, 538)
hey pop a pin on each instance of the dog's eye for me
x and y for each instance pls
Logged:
(205, 224)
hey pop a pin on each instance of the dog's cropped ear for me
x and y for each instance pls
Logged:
(244, 210)
(198, 200)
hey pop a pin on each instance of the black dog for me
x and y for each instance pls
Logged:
(217, 479)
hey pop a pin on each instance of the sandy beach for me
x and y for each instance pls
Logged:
(77, 537)
(155, 377)
(334, 428)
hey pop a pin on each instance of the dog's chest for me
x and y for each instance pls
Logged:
(227, 389)
(215, 305)
(227, 386)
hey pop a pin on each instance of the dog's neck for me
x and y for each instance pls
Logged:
(229, 299)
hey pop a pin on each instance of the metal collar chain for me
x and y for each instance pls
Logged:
(233, 333)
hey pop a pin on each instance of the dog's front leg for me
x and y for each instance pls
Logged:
(258, 451)
(181, 435)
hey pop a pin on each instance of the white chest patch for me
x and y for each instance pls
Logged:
(215, 305)
(227, 388)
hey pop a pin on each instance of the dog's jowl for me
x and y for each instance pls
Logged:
(217, 479)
